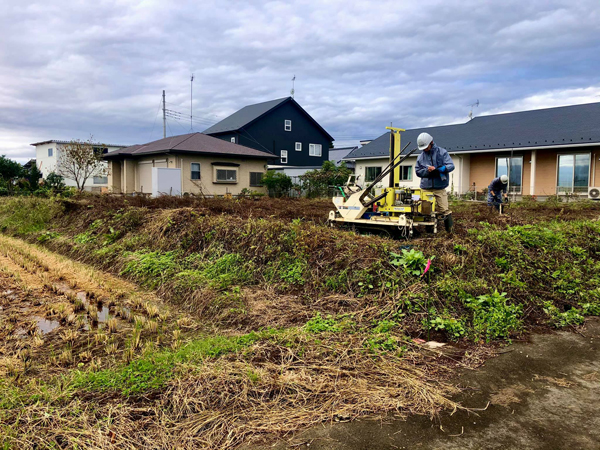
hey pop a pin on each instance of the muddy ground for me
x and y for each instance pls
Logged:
(541, 395)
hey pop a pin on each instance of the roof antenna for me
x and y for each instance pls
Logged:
(476, 104)
(191, 99)
(293, 82)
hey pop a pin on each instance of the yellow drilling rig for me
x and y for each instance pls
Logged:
(394, 210)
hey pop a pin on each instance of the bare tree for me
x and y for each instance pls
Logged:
(79, 160)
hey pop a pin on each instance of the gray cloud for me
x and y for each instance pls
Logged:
(70, 69)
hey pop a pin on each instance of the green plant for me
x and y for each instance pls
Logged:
(459, 249)
(384, 326)
(150, 267)
(560, 319)
(278, 183)
(454, 328)
(319, 324)
(47, 236)
(502, 263)
(84, 238)
(413, 261)
(383, 342)
(493, 317)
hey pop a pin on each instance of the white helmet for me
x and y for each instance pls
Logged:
(424, 140)
(504, 179)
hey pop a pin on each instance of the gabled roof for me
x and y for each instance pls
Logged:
(551, 127)
(251, 113)
(337, 154)
(195, 143)
(54, 141)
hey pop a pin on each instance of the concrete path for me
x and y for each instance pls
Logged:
(542, 395)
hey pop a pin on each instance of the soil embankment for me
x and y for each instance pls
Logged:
(216, 323)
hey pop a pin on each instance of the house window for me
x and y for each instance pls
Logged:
(298, 146)
(288, 125)
(100, 180)
(256, 179)
(233, 139)
(50, 152)
(513, 168)
(405, 173)
(284, 157)
(573, 173)
(371, 173)
(226, 176)
(195, 171)
(314, 149)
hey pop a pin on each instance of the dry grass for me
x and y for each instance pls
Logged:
(271, 390)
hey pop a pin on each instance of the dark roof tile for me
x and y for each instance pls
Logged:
(565, 125)
(196, 143)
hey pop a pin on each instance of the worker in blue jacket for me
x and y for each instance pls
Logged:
(497, 190)
(433, 166)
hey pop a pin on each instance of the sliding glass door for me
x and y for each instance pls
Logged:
(573, 173)
(513, 168)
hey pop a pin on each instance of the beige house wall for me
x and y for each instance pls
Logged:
(128, 175)
(483, 169)
(595, 179)
(114, 176)
(131, 176)
(208, 178)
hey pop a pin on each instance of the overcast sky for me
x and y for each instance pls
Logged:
(69, 69)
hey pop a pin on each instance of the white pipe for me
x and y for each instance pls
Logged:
(532, 170)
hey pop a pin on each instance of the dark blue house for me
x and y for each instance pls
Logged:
(281, 127)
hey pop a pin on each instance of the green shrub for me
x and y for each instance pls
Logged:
(493, 317)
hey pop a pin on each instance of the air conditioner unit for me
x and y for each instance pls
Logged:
(594, 193)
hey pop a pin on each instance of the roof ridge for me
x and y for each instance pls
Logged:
(535, 110)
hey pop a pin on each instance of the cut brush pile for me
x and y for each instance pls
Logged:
(245, 320)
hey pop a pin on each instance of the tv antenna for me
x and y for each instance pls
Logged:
(293, 82)
(191, 103)
(476, 104)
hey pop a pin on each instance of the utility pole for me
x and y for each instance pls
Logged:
(164, 116)
(191, 103)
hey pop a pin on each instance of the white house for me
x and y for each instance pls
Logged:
(46, 157)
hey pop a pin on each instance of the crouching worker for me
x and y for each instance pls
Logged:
(496, 191)
(433, 166)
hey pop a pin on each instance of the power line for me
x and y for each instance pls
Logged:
(155, 117)
(178, 115)
(252, 137)
(185, 119)
(208, 117)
